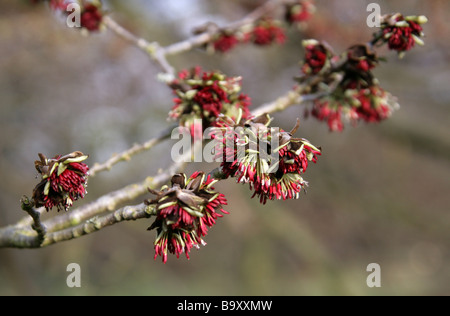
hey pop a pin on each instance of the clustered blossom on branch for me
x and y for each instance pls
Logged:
(264, 31)
(299, 12)
(399, 32)
(204, 96)
(351, 92)
(184, 212)
(356, 96)
(64, 180)
(270, 160)
(91, 11)
(225, 41)
(316, 56)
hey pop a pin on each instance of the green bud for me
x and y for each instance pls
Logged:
(310, 42)
(190, 94)
(418, 40)
(47, 188)
(402, 24)
(61, 168)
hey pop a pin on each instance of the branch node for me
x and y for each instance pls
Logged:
(27, 205)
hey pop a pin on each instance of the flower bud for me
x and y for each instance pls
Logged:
(205, 96)
(184, 212)
(270, 160)
(64, 180)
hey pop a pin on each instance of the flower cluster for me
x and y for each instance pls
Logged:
(261, 32)
(357, 95)
(184, 212)
(64, 180)
(91, 14)
(399, 32)
(225, 41)
(91, 17)
(371, 104)
(299, 11)
(316, 57)
(270, 160)
(206, 95)
(265, 32)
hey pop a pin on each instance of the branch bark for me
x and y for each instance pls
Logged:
(153, 49)
(95, 224)
(293, 97)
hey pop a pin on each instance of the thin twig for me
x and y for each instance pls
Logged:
(153, 49)
(204, 38)
(127, 154)
(291, 98)
(159, 53)
(109, 202)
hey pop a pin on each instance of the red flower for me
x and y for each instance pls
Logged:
(211, 97)
(91, 14)
(374, 106)
(244, 102)
(323, 112)
(91, 18)
(225, 43)
(299, 12)
(267, 32)
(205, 96)
(400, 38)
(184, 213)
(316, 57)
(399, 32)
(269, 160)
(64, 180)
(371, 104)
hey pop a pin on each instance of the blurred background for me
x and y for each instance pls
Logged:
(378, 194)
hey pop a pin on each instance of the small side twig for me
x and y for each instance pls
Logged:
(28, 206)
(127, 154)
(153, 49)
(293, 97)
(159, 53)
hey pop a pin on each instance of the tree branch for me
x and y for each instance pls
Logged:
(22, 236)
(206, 37)
(293, 97)
(153, 49)
(92, 225)
(159, 53)
(41, 230)
(127, 154)
(32, 233)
